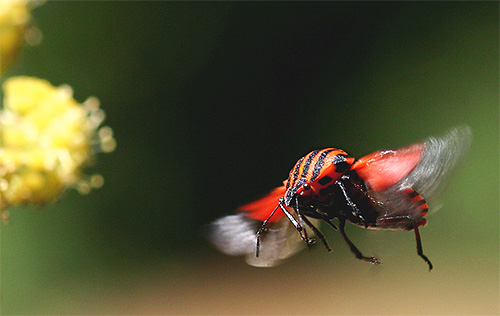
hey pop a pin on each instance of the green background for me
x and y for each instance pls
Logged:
(211, 104)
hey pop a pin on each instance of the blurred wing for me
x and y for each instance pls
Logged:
(233, 235)
(442, 155)
(424, 167)
(279, 242)
(236, 235)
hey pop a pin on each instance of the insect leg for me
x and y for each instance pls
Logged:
(352, 205)
(318, 233)
(303, 233)
(290, 217)
(295, 223)
(420, 251)
(331, 224)
(353, 248)
(409, 225)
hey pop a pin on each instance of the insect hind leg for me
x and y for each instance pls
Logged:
(405, 221)
(420, 251)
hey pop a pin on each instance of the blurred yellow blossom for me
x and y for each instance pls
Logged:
(46, 139)
(15, 29)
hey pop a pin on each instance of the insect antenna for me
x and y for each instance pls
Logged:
(261, 229)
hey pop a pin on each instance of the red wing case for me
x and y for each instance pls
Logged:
(383, 169)
(262, 208)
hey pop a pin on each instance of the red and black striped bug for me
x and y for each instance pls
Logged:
(387, 189)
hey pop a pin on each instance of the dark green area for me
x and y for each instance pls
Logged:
(213, 102)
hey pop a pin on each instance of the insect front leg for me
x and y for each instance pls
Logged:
(298, 226)
(295, 223)
(301, 222)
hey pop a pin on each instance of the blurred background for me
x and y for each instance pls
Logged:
(211, 105)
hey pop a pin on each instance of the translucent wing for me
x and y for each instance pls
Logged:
(423, 167)
(236, 235)
(442, 155)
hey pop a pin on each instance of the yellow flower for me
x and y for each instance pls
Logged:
(14, 17)
(15, 28)
(46, 138)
